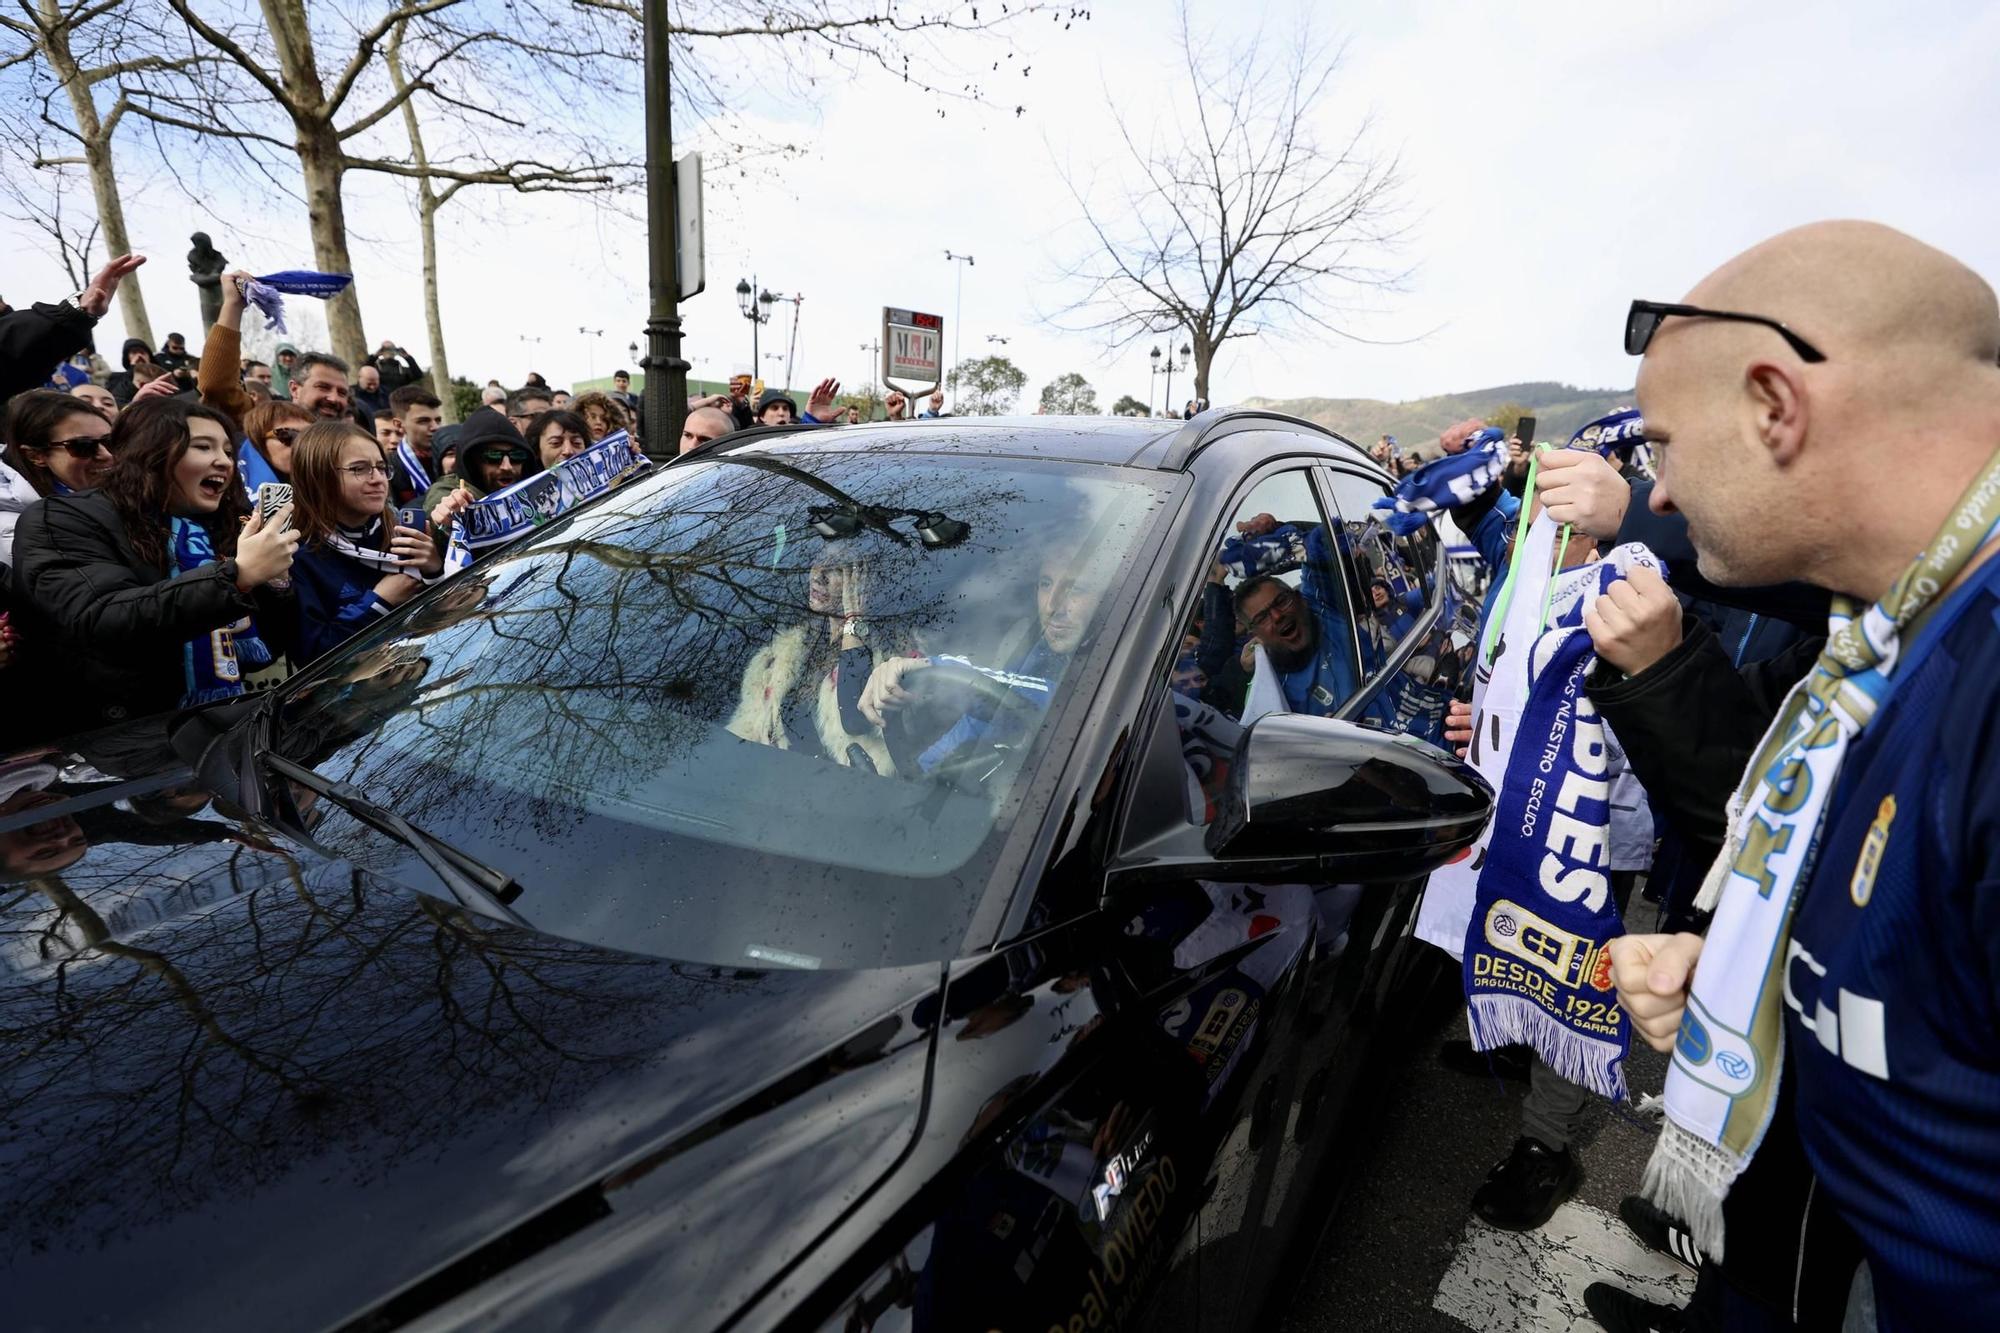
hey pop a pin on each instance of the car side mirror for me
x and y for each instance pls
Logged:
(1313, 798)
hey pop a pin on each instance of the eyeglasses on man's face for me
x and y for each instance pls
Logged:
(1645, 317)
(1280, 604)
(503, 455)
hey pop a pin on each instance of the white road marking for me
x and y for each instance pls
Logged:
(1532, 1282)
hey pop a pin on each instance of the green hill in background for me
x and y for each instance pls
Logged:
(1559, 410)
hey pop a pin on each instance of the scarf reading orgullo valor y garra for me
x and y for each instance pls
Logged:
(1722, 1087)
(212, 664)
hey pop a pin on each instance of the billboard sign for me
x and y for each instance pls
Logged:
(912, 350)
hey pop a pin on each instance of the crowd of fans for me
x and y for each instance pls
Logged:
(154, 564)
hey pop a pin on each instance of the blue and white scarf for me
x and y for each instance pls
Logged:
(532, 501)
(212, 664)
(263, 292)
(1617, 433)
(413, 466)
(255, 469)
(1722, 1088)
(1446, 483)
(1536, 968)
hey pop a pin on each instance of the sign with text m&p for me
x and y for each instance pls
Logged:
(912, 349)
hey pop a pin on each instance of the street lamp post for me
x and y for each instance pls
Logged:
(757, 311)
(590, 348)
(874, 350)
(964, 262)
(1185, 353)
(1152, 383)
(665, 403)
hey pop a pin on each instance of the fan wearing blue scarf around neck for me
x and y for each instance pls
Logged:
(1829, 408)
(151, 592)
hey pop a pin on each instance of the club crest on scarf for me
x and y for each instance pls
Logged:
(1446, 483)
(1536, 970)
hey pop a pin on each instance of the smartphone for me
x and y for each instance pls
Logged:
(413, 517)
(1526, 431)
(271, 497)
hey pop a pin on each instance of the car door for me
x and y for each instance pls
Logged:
(1324, 974)
(1258, 944)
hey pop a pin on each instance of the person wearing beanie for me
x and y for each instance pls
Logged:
(135, 351)
(775, 407)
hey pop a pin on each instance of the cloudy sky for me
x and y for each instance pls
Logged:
(1560, 158)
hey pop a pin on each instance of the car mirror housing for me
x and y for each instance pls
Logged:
(1314, 797)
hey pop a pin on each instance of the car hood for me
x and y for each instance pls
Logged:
(249, 1088)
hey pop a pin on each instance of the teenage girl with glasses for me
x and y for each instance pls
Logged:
(355, 562)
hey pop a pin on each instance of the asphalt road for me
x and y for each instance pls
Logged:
(1401, 1253)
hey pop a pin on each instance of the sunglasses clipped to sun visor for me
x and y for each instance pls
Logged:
(1645, 317)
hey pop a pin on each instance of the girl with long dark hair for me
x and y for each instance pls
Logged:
(140, 593)
(355, 564)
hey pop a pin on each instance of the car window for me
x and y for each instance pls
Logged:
(654, 713)
(1396, 578)
(1273, 629)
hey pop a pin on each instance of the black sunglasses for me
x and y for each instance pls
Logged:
(1644, 319)
(84, 446)
(288, 434)
(502, 455)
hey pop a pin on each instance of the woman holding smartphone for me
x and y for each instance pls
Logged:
(138, 596)
(357, 561)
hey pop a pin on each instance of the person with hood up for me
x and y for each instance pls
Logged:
(492, 456)
(135, 352)
(281, 367)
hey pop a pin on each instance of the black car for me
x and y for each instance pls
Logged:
(855, 879)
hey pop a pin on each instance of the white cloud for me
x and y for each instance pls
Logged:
(1563, 157)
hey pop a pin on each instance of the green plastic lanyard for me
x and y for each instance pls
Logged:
(1499, 615)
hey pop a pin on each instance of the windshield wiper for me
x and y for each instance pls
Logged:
(471, 881)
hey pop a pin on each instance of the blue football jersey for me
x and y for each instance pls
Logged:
(1892, 981)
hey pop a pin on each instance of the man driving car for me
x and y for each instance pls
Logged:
(1068, 589)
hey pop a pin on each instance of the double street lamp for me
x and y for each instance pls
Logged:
(756, 309)
(1167, 403)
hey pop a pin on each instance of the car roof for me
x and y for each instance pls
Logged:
(1117, 441)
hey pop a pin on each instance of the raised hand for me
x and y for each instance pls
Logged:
(1580, 488)
(820, 405)
(103, 283)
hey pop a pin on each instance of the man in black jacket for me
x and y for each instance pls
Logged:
(34, 341)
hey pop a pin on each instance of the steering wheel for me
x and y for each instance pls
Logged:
(978, 759)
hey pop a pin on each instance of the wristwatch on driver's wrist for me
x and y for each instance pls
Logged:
(855, 628)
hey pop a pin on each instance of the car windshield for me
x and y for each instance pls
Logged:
(762, 710)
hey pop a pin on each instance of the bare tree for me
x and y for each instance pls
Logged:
(1237, 219)
(77, 47)
(37, 196)
(326, 81)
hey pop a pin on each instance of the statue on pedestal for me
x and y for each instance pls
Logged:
(205, 268)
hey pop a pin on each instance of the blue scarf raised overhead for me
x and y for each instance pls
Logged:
(1446, 483)
(212, 664)
(263, 292)
(1536, 969)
